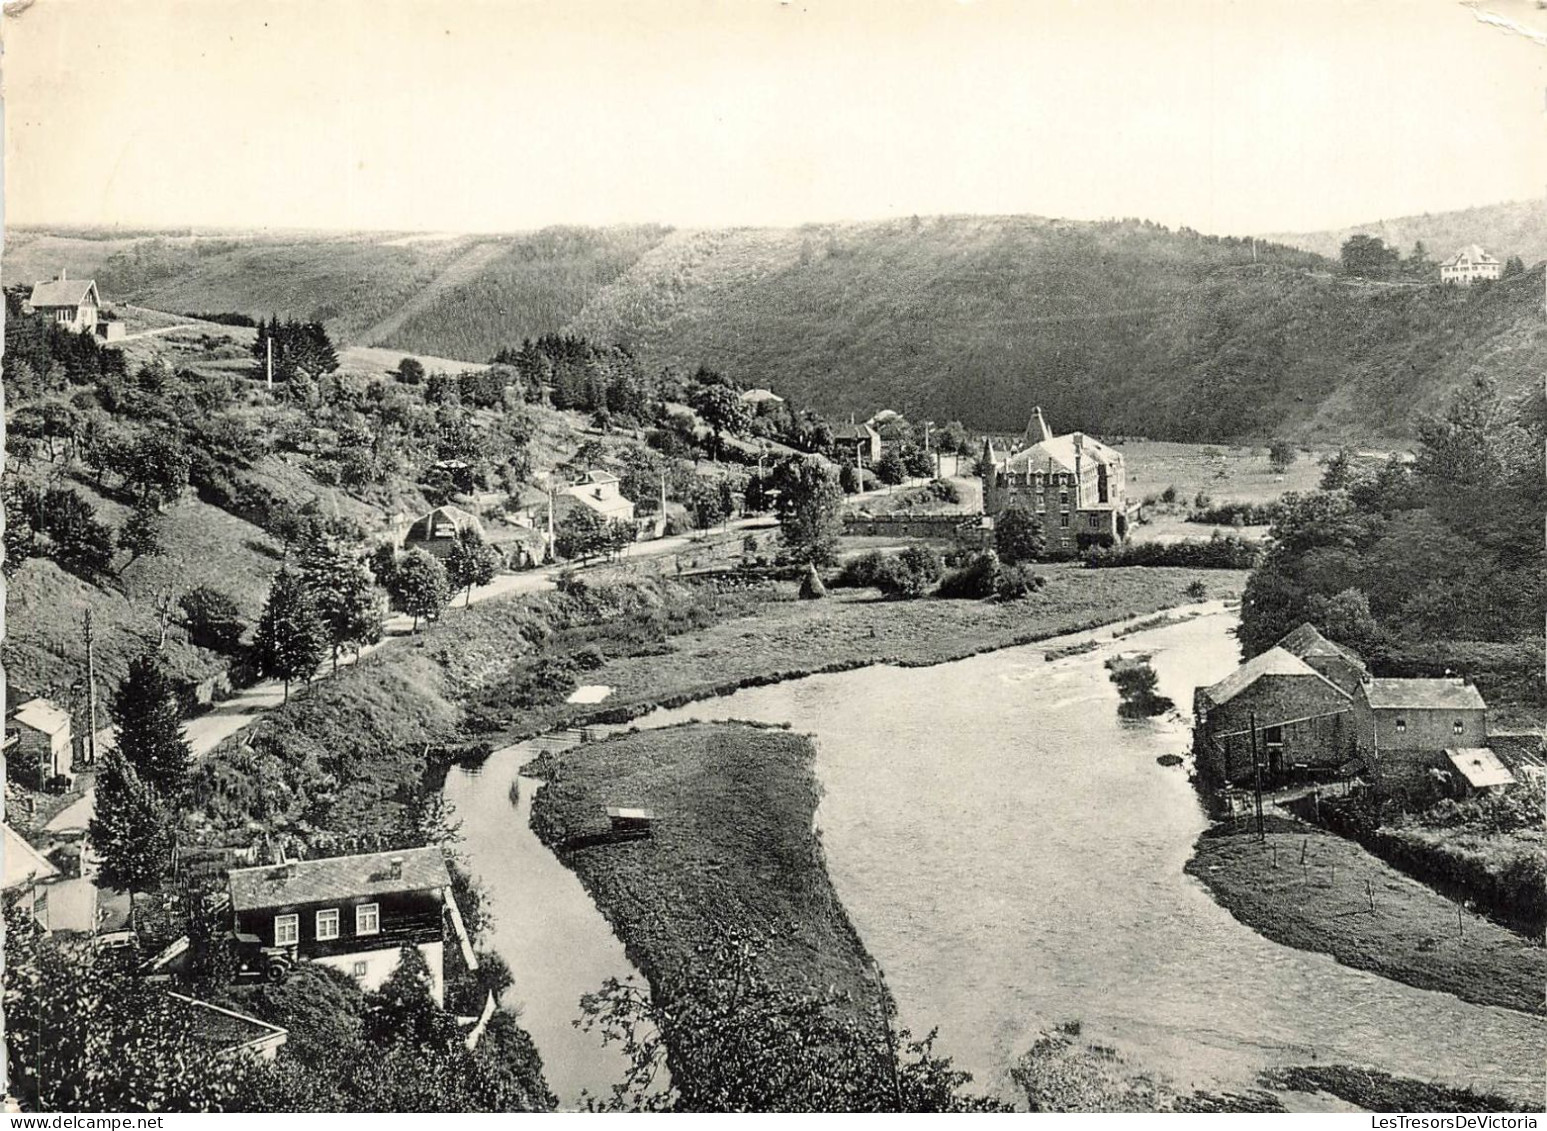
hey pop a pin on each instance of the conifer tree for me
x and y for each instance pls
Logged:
(131, 828)
(149, 724)
(291, 639)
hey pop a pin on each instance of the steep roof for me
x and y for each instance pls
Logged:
(1057, 454)
(425, 526)
(337, 878)
(1479, 766)
(1305, 642)
(1469, 255)
(1275, 661)
(64, 292)
(1424, 694)
(42, 715)
(23, 863)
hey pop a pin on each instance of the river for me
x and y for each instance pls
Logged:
(1011, 853)
(546, 927)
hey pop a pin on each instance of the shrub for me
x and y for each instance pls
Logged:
(943, 490)
(1215, 553)
(911, 573)
(1197, 590)
(861, 572)
(1238, 514)
(1169, 495)
(1016, 581)
(213, 619)
(973, 581)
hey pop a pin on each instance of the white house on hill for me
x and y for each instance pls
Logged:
(1469, 265)
(71, 303)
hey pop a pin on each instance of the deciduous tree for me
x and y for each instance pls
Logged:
(810, 510)
(418, 586)
(472, 561)
(291, 639)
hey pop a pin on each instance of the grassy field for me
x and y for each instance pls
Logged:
(733, 848)
(1154, 465)
(1413, 934)
(776, 637)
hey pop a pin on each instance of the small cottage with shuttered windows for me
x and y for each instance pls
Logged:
(354, 913)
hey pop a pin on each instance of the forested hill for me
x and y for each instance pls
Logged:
(1120, 327)
(1514, 228)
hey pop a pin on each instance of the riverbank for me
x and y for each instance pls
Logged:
(770, 637)
(1345, 902)
(761, 991)
(732, 850)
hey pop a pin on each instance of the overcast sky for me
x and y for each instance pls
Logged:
(1263, 115)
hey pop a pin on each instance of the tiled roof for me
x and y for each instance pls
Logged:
(1275, 661)
(1421, 694)
(337, 878)
(40, 714)
(62, 292)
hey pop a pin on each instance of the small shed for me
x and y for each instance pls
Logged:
(42, 740)
(630, 822)
(1480, 769)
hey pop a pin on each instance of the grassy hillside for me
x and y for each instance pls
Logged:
(1113, 327)
(1514, 228)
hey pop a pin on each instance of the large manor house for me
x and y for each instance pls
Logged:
(1073, 483)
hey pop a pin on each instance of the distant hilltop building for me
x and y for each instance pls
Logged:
(1074, 483)
(71, 303)
(1469, 265)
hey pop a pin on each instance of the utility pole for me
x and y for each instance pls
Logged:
(268, 342)
(1257, 777)
(552, 554)
(91, 694)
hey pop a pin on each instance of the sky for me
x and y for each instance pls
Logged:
(507, 115)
